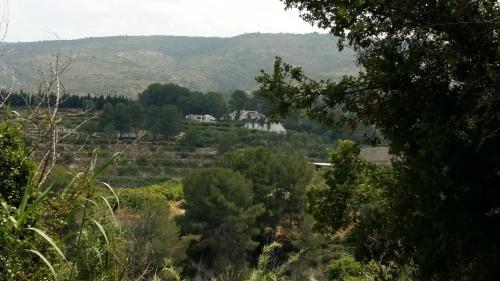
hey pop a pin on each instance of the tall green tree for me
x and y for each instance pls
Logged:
(279, 182)
(430, 83)
(239, 100)
(123, 117)
(215, 104)
(137, 113)
(107, 118)
(220, 208)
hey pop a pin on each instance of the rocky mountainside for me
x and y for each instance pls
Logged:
(125, 65)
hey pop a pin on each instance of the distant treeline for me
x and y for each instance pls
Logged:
(190, 102)
(186, 101)
(66, 101)
(160, 106)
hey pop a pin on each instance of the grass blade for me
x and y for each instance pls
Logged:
(48, 239)
(42, 196)
(75, 177)
(109, 207)
(112, 191)
(93, 202)
(26, 196)
(24, 214)
(99, 170)
(101, 228)
(46, 261)
(98, 253)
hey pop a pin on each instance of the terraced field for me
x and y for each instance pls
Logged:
(145, 161)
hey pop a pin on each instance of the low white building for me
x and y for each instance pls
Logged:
(246, 115)
(127, 135)
(273, 127)
(201, 118)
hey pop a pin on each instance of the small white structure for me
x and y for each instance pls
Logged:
(201, 118)
(246, 115)
(321, 165)
(127, 135)
(274, 127)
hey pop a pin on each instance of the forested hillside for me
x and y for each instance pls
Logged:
(125, 65)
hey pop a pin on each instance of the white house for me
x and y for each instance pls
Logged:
(246, 115)
(201, 118)
(273, 127)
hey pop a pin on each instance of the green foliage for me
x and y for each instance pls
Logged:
(165, 120)
(24, 253)
(94, 245)
(136, 197)
(220, 208)
(278, 182)
(215, 104)
(345, 268)
(351, 184)
(270, 267)
(59, 178)
(154, 237)
(15, 166)
(315, 249)
(133, 117)
(185, 100)
(239, 100)
(429, 73)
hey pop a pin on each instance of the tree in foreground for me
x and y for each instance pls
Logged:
(430, 83)
(279, 182)
(154, 238)
(220, 209)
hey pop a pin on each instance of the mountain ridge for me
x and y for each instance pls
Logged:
(125, 65)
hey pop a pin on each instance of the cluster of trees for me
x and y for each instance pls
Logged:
(133, 117)
(241, 100)
(187, 101)
(190, 102)
(160, 107)
(430, 84)
(245, 220)
(248, 199)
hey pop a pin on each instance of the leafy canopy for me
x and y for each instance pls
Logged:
(430, 83)
(16, 167)
(220, 208)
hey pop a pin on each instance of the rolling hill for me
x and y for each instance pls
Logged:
(125, 65)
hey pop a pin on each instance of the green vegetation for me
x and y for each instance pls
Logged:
(216, 201)
(220, 208)
(161, 144)
(278, 180)
(136, 197)
(15, 165)
(32, 226)
(429, 79)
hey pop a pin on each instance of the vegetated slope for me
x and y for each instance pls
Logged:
(125, 65)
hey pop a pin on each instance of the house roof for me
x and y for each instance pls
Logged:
(376, 154)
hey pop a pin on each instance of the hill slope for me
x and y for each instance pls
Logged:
(127, 64)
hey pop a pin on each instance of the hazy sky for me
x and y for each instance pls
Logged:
(31, 20)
